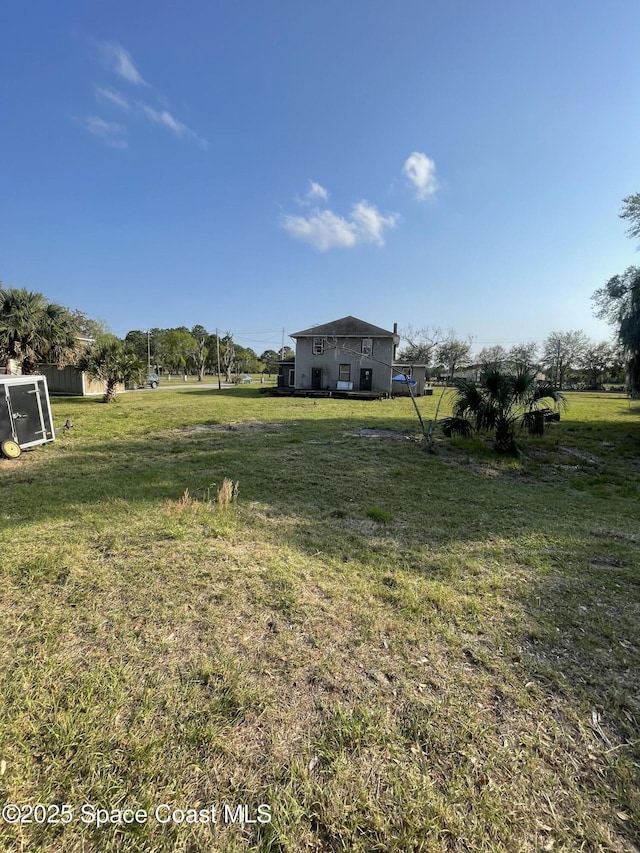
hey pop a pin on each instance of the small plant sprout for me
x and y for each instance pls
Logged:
(382, 516)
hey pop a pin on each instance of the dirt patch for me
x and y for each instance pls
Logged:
(251, 426)
(486, 471)
(580, 454)
(384, 434)
(615, 534)
(608, 564)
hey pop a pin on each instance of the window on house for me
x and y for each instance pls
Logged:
(345, 373)
(292, 377)
(367, 346)
(318, 346)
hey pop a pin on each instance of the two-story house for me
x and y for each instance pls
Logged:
(344, 355)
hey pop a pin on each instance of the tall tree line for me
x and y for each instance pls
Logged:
(563, 358)
(180, 349)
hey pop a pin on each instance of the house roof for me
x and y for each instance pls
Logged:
(346, 327)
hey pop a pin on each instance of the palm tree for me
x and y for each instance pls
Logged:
(499, 403)
(114, 362)
(33, 330)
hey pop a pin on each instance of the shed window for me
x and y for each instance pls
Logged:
(345, 373)
(292, 377)
(318, 346)
(367, 346)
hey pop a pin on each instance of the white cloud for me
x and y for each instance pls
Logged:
(324, 229)
(370, 223)
(110, 132)
(164, 118)
(420, 170)
(112, 97)
(317, 191)
(119, 61)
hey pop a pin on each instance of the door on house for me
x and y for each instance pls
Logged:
(316, 378)
(366, 379)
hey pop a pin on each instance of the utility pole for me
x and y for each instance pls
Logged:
(282, 347)
(218, 351)
(149, 350)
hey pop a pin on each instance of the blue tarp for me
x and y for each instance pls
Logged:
(402, 378)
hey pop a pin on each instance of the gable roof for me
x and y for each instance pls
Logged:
(345, 327)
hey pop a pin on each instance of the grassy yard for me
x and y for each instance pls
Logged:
(390, 650)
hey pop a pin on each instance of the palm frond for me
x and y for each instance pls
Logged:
(547, 391)
(523, 383)
(457, 426)
(499, 401)
(468, 398)
(493, 380)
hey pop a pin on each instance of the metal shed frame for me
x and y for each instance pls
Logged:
(25, 411)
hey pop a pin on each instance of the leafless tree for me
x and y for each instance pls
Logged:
(422, 344)
(524, 356)
(561, 352)
(455, 354)
(494, 356)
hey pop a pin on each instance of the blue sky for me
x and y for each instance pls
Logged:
(255, 166)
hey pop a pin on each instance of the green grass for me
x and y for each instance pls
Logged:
(382, 516)
(394, 651)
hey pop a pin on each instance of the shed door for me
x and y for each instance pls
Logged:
(26, 411)
(366, 379)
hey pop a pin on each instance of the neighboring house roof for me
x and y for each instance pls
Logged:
(346, 327)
